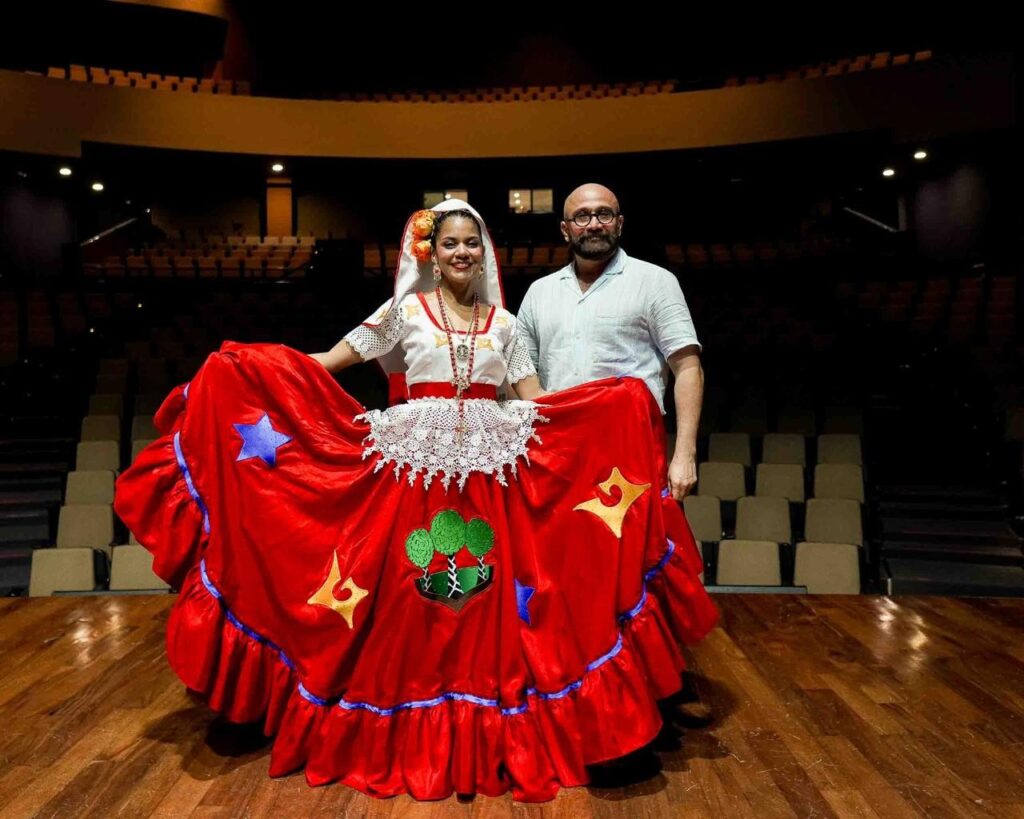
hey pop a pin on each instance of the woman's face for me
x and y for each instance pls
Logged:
(459, 251)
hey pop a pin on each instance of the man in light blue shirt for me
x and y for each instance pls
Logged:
(606, 314)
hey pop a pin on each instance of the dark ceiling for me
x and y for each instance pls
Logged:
(304, 48)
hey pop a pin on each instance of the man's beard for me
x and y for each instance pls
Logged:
(595, 247)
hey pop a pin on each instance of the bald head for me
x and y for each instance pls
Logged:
(590, 196)
(598, 239)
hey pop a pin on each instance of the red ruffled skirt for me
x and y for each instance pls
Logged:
(409, 640)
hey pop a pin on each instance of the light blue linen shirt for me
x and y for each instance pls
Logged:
(628, 322)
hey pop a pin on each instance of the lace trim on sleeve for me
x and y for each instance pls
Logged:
(518, 360)
(373, 342)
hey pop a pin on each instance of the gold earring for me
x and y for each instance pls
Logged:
(437, 273)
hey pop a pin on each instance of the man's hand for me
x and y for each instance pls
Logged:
(682, 475)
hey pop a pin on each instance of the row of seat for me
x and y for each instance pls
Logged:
(784, 448)
(209, 240)
(754, 419)
(154, 377)
(104, 454)
(101, 436)
(84, 570)
(971, 310)
(529, 93)
(108, 428)
(167, 350)
(89, 487)
(972, 296)
(728, 481)
(822, 568)
(113, 403)
(216, 255)
(800, 339)
(193, 267)
(170, 356)
(221, 252)
(138, 79)
(763, 549)
(86, 522)
(49, 314)
(969, 288)
(742, 255)
(825, 520)
(852, 65)
(122, 567)
(385, 258)
(167, 82)
(976, 316)
(159, 364)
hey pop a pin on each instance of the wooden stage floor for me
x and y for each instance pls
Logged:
(820, 706)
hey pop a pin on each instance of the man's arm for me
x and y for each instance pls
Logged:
(689, 395)
(674, 335)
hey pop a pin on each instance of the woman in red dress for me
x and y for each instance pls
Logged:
(456, 594)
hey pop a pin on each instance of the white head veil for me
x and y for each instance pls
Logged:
(413, 275)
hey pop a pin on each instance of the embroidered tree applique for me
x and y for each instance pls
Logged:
(447, 536)
(479, 541)
(448, 532)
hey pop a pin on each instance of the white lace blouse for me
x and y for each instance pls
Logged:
(414, 326)
(424, 434)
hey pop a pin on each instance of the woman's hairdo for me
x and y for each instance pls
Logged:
(444, 215)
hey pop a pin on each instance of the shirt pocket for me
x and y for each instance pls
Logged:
(617, 339)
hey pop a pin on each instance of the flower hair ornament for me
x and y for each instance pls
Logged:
(422, 226)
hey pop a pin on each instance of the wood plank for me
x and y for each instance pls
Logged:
(825, 706)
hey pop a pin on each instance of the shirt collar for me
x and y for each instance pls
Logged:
(615, 266)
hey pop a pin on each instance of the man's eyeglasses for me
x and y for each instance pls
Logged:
(605, 216)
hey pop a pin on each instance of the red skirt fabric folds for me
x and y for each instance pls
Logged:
(409, 640)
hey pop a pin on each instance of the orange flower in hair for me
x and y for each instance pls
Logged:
(422, 224)
(421, 250)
